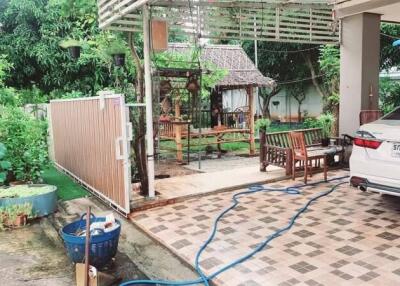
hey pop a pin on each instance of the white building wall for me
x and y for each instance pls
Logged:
(233, 99)
(285, 111)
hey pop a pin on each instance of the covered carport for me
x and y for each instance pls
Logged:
(299, 21)
(360, 56)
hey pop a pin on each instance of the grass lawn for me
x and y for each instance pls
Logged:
(236, 147)
(67, 189)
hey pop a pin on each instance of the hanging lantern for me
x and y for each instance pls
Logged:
(75, 52)
(73, 47)
(119, 59)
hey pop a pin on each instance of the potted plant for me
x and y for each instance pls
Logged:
(262, 126)
(326, 122)
(117, 50)
(22, 212)
(73, 46)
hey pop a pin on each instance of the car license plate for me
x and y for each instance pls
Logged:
(396, 150)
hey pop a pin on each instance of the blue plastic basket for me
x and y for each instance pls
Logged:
(103, 247)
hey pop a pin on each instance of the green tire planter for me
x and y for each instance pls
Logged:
(43, 203)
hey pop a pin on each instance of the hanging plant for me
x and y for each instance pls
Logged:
(117, 50)
(73, 46)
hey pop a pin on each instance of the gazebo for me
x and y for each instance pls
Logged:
(241, 79)
(298, 21)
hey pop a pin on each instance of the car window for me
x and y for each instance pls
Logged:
(395, 115)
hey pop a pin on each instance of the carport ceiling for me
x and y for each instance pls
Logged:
(300, 21)
(389, 9)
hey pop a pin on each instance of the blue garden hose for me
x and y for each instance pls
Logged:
(203, 279)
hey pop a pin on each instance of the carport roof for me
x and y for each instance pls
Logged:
(299, 21)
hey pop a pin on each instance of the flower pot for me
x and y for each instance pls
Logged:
(20, 220)
(119, 60)
(5, 220)
(75, 52)
(325, 142)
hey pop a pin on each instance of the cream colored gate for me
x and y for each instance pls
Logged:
(91, 142)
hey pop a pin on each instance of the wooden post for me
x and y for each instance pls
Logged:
(178, 132)
(263, 165)
(250, 98)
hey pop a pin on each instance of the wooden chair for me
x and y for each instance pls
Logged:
(300, 154)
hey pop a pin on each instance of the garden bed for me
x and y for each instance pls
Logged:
(42, 198)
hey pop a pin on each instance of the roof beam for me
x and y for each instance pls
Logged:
(354, 7)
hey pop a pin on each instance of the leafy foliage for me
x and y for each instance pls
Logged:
(189, 60)
(389, 94)
(326, 123)
(262, 124)
(25, 139)
(4, 164)
(31, 33)
(5, 68)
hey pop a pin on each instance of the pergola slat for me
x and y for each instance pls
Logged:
(299, 21)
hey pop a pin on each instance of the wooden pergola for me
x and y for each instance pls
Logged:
(295, 21)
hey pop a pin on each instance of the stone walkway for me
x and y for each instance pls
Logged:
(346, 238)
(226, 179)
(226, 162)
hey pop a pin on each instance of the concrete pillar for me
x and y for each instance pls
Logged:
(359, 69)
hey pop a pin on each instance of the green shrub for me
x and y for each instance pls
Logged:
(263, 124)
(311, 122)
(25, 140)
(9, 97)
(5, 165)
(326, 121)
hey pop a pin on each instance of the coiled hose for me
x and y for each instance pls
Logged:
(205, 280)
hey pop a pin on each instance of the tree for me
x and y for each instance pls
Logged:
(298, 93)
(288, 64)
(266, 94)
(30, 37)
(389, 94)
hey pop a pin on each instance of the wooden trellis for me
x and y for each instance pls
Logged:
(277, 20)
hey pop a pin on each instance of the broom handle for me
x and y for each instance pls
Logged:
(87, 246)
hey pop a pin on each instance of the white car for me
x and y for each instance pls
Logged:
(375, 160)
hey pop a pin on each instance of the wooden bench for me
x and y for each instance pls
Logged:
(275, 148)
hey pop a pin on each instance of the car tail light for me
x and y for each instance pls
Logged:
(367, 143)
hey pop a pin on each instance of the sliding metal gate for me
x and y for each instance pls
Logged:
(91, 139)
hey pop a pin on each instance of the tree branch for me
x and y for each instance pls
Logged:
(313, 75)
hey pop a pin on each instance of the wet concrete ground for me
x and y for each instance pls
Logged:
(29, 258)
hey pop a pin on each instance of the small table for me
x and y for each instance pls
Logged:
(331, 151)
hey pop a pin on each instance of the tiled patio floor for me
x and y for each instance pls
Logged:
(347, 238)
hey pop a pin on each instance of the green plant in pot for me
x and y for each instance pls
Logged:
(73, 46)
(5, 165)
(262, 125)
(117, 50)
(326, 122)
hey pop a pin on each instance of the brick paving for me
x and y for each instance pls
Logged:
(346, 238)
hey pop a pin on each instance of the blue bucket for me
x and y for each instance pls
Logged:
(103, 247)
